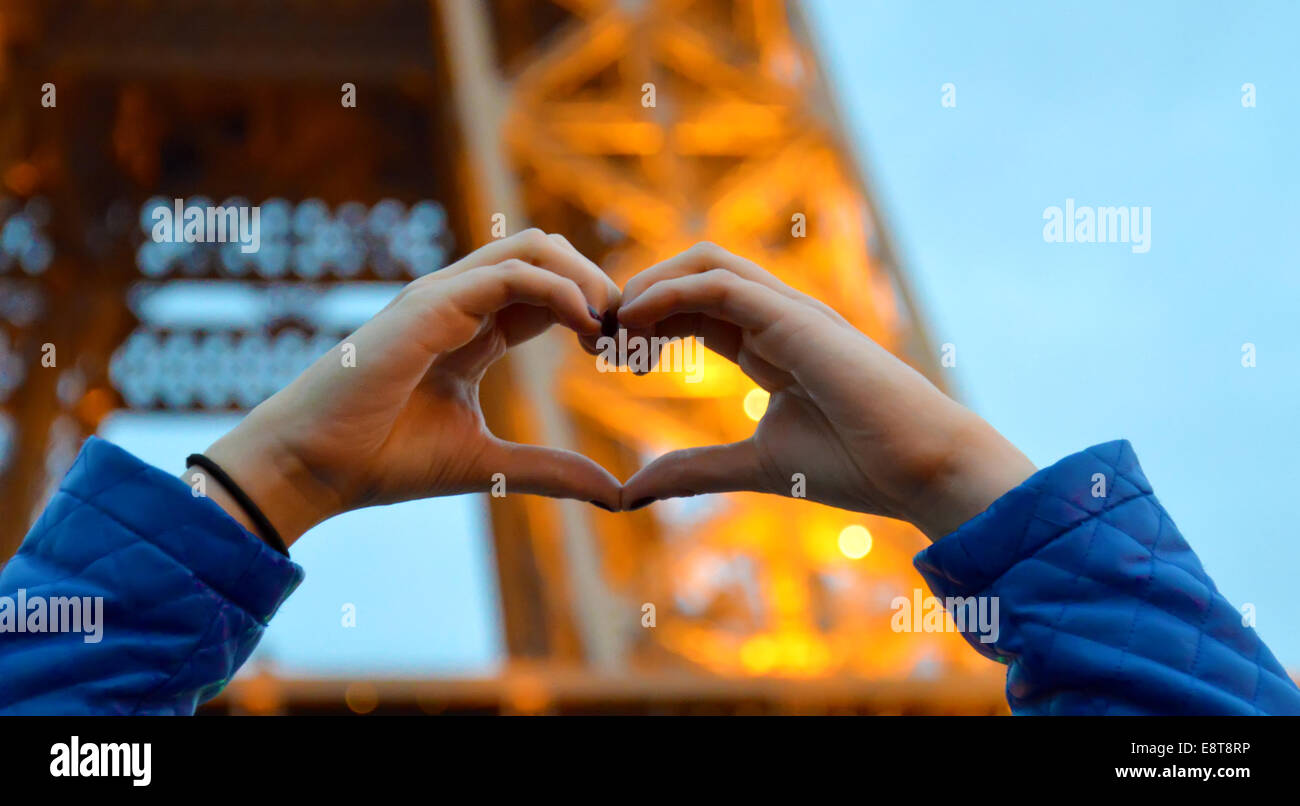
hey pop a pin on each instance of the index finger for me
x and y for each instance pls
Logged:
(551, 252)
(705, 256)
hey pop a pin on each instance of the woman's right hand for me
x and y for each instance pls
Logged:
(392, 412)
(867, 432)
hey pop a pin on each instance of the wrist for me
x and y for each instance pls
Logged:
(982, 466)
(276, 480)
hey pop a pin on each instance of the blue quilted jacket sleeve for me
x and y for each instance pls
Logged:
(1104, 608)
(185, 591)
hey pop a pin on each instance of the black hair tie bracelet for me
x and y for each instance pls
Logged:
(264, 527)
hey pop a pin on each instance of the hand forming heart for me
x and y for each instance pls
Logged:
(403, 420)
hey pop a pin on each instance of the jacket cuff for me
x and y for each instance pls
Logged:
(193, 530)
(1014, 527)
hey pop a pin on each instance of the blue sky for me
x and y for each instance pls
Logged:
(1062, 346)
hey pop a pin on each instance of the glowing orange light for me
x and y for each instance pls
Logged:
(759, 654)
(756, 404)
(528, 694)
(361, 697)
(855, 541)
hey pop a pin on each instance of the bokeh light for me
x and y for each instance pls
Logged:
(756, 404)
(855, 541)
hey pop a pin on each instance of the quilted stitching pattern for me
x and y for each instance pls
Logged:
(187, 593)
(1104, 608)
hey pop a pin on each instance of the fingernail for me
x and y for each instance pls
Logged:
(609, 323)
(595, 314)
(641, 502)
(603, 506)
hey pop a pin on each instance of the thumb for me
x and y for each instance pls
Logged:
(554, 473)
(734, 467)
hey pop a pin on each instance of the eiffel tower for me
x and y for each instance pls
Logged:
(634, 128)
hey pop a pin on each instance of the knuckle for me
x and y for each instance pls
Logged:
(418, 299)
(407, 290)
(422, 288)
(828, 311)
(512, 266)
(717, 276)
(534, 238)
(708, 250)
(431, 279)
